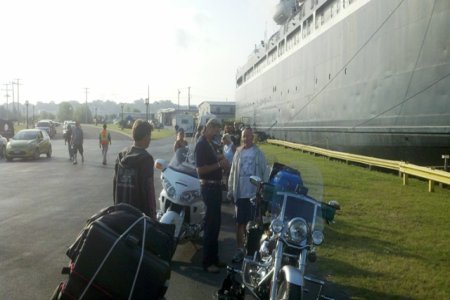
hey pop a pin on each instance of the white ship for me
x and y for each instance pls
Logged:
(363, 76)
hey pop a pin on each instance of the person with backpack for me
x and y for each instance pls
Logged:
(133, 172)
(104, 139)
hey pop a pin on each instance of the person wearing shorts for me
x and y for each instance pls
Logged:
(248, 160)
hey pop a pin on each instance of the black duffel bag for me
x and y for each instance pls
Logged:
(115, 258)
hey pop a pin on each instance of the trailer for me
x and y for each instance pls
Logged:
(184, 121)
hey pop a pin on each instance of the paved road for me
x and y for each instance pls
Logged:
(44, 204)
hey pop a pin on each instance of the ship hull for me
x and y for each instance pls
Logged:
(374, 82)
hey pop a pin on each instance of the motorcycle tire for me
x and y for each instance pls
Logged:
(289, 291)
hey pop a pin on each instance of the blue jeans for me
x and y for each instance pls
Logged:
(212, 197)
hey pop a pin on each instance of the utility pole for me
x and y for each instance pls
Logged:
(189, 98)
(26, 104)
(121, 123)
(12, 93)
(179, 99)
(18, 101)
(86, 91)
(6, 90)
(147, 102)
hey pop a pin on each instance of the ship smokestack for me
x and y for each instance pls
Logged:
(283, 11)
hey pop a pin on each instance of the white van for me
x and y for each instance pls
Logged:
(186, 122)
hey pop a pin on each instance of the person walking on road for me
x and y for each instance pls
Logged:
(248, 160)
(77, 142)
(104, 140)
(209, 170)
(67, 138)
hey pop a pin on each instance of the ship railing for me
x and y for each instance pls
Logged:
(404, 169)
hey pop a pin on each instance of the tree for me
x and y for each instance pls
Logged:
(44, 115)
(65, 111)
(80, 114)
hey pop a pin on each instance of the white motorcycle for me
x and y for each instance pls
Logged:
(180, 201)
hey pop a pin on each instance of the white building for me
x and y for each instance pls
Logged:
(222, 110)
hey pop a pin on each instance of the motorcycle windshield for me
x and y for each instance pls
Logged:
(182, 161)
(288, 206)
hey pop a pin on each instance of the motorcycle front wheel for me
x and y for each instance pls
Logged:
(289, 291)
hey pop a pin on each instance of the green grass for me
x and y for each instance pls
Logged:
(389, 241)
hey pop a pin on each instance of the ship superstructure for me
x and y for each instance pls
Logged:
(361, 76)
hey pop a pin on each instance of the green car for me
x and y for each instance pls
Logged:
(29, 143)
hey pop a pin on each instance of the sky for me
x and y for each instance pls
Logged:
(115, 50)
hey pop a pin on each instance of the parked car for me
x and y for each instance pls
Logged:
(48, 126)
(29, 143)
(3, 142)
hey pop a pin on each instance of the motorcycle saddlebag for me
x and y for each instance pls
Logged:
(108, 262)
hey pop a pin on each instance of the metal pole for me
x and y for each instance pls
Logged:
(18, 102)
(13, 106)
(189, 98)
(121, 123)
(86, 90)
(26, 104)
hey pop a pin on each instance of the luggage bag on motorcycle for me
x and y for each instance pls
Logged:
(109, 262)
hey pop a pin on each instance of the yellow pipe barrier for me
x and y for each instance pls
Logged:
(403, 168)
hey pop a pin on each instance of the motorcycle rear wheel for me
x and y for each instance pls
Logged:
(289, 291)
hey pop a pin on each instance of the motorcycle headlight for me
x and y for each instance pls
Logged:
(298, 230)
(276, 226)
(169, 188)
(317, 237)
(190, 196)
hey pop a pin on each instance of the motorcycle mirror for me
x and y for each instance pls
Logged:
(334, 204)
(255, 180)
(160, 164)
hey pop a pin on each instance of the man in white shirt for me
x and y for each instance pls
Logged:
(249, 160)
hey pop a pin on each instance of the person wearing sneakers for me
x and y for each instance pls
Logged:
(104, 140)
(77, 142)
(209, 169)
(248, 160)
